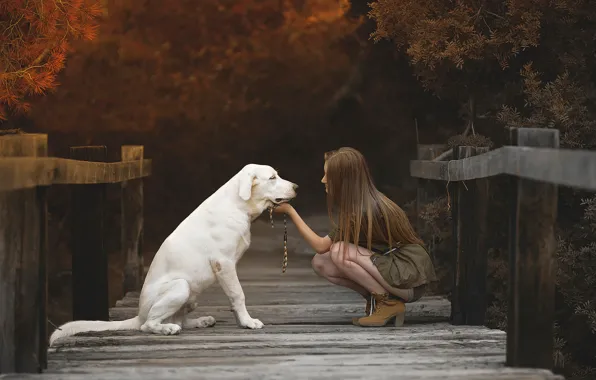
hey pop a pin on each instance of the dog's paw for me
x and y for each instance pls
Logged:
(199, 322)
(251, 323)
(170, 329)
(207, 321)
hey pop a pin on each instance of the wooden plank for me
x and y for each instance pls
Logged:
(487, 165)
(226, 334)
(89, 257)
(532, 263)
(82, 172)
(461, 240)
(340, 344)
(433, 310)
(266, 296)
(573, 168)
(235, 359)
(343, 367)
(29, 172)
(132, 223)
(24, 145)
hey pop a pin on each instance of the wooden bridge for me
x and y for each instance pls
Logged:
(307, 331)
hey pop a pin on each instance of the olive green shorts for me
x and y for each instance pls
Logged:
(407, 267)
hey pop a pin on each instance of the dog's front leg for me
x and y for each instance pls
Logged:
(226, 274)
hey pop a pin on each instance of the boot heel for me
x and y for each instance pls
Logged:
(399, 319)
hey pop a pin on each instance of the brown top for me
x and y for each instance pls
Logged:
(377, 246)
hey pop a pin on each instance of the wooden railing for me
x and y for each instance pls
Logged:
(25, 175)
(535, 167)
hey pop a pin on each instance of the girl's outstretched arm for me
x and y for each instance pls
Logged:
(318, 243)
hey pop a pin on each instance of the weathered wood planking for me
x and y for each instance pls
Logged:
(386, 366)
(573, 168)
(307, 335)
(423, 311)
(22, 266)
(469, 216)
(289, 296)
(8, 261)
(28, 172)
(294, 351)
(24, 145)
(532, 264)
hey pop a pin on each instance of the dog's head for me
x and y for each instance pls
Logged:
(262, 185)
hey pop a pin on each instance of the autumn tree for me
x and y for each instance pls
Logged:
(34, 41)
(474, 50)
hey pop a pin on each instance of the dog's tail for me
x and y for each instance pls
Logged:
(75, 327)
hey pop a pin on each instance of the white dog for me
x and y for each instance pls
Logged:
(206, 246)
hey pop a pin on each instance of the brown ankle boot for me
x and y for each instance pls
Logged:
(367, 310)
(384, 310)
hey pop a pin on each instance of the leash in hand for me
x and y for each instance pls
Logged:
(285, 260)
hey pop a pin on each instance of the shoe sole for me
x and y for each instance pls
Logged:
(398, 321)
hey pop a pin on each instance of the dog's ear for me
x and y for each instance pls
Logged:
(245, 183)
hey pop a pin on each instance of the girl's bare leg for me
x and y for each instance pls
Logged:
(353, 270)
(324, 267)
(356, 264)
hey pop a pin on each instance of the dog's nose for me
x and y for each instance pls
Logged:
(294, 186)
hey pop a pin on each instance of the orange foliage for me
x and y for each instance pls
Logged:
(436, 32)
(469, 50)
(34, 41)
(211, 62)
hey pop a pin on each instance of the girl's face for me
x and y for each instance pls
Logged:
(324, 179)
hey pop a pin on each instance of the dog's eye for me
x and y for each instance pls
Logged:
(273, 177)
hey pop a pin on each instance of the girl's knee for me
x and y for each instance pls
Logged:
(336, 248)
(340, 254)
(319, 262)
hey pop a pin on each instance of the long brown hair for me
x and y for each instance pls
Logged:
(359, 206)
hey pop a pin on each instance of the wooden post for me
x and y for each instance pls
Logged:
(459, 216)
(532, 263)
(9, 257)
(132, 224)
(472, 251)
(89, 258)
(22, 260)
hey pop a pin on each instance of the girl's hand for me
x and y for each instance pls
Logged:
(283, 208)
